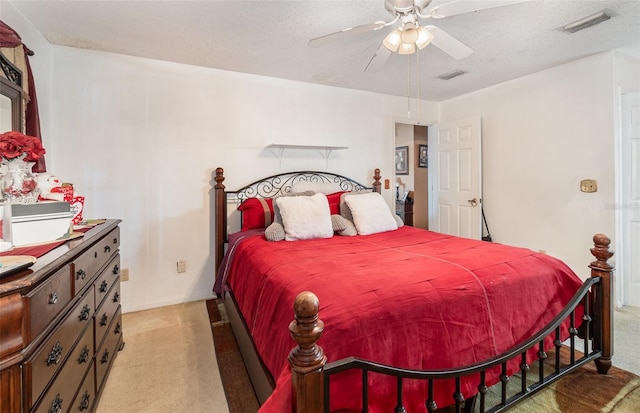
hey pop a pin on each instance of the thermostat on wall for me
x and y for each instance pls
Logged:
(588, 185)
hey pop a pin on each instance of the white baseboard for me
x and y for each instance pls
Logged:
(198, 296)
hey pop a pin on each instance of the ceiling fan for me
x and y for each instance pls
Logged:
(411, 34)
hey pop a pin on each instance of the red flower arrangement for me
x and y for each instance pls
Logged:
(14, 144)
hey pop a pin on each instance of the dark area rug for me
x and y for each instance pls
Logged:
(583, 391)
(237, 387)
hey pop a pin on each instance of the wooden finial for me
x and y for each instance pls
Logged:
(601, 252)
(377, 185)
(307, 359)
(219, 178)
(306, 330)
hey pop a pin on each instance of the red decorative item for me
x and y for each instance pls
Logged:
(13, 144)
(19, 152)
(77, 205)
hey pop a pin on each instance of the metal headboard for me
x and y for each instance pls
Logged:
(271, 187)
(280, 184)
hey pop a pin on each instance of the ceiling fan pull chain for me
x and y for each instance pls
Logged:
(408, 94)
(418, 71)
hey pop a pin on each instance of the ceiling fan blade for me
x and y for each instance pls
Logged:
(328, 38)
(449, 44)
(378, 59)
(468, 6)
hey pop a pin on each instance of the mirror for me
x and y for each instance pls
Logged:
(10, 96)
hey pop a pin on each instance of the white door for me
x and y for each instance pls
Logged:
(455, 178)
(630, 208)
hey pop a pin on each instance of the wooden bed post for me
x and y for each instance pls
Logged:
(307, 359)
(220, 217)
(377, 185)
(603, 299)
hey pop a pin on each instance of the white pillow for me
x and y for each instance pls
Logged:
(344, 208)
(371, 214)
(305, 217)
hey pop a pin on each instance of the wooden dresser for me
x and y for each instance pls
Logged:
(405, 211)
(61, 326)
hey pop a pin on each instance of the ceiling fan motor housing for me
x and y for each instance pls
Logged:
(405, 6)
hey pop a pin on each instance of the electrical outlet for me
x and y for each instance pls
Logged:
(124, 274)
(181, 266)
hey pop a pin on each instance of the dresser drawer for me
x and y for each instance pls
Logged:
(107, 279)
(86, 396)
(106, 312)
(50, 358)
(48, 325)
(107, 351)
(64, 386)
(93, 259)
(45, 302)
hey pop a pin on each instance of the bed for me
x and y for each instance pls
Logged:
(399, 319)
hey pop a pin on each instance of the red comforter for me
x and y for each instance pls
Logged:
(408, 298)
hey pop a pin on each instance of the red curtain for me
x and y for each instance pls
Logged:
(9, 38)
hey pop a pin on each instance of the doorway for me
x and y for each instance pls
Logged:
(628, 205)
(412, 180)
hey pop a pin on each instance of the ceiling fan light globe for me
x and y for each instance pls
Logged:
(409, 36)
(424, 38)
(407, 48)
(393, 40)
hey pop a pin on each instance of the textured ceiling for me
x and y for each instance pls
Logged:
(270, 38)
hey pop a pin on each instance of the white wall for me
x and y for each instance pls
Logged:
(141, 138)
(542, 134)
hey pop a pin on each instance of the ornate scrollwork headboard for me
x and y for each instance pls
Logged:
(275, 185)
(270, 187)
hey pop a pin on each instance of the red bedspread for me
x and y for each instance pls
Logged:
(408, 298)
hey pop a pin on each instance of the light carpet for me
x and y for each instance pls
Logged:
(167, 365)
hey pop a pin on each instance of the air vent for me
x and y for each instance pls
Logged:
(451, 75)
(588, 21)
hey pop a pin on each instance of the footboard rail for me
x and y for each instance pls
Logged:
(311, 374)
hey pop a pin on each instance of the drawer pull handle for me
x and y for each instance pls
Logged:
(84, 355)
(56, 405)
(107, 248)
(55, 355)
(116, 269)
(103, 286)
(53, 298)
(115, 240)
(80, 274)
(117, 329)
(84, 314)
(105, 357)
(116, 297)
(95, 254)
(84, 403)
(103, 320)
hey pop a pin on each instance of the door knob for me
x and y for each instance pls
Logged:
(473, 202)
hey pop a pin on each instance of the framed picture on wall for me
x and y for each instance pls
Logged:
(423, 160)
(402, 160)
